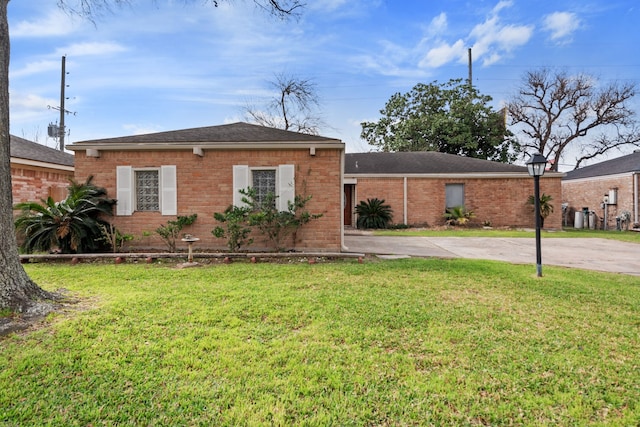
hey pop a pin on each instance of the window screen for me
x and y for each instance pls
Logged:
(454, 195)
(147, 190)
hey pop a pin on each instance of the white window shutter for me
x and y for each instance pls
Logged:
(124, 190)
(286, 186)
(241, 181)
(168, 190)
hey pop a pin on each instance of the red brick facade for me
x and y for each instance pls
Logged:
(205, 186)
(590, 192)
(500, 201)
(32, 183)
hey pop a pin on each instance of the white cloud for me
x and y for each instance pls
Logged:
(490, 41)
(31, 102)
(503, 4)
(56, 23)
(443, 54)
(138, 129)
(438, 25)
(561, 25)
(36, 67)
(91, 48)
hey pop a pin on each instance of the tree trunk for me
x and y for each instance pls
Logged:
(17, 291)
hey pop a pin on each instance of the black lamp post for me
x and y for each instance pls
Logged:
(536, 165)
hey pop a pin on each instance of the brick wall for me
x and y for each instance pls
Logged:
(579, 193)
(205, 186)
(500, 201)
(30, 184)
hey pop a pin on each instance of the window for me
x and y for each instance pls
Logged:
(278, 180)
(147, 190)
(454, 194)
(264, 183)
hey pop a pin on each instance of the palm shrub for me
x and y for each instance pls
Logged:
(458, 215)
(236, 227)
(74, 225)
(373, 213)
(546, 208)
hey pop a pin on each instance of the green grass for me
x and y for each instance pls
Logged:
(625, 236)
(406, 342)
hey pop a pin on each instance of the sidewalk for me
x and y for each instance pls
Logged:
(585, 253)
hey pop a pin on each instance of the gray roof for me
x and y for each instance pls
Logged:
(625, 164)
(235, 132)
(423, 162)
(21, 148)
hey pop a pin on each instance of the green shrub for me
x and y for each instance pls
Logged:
(237, 230)
(171, 231)
(114, 238)
(373, 213)
(274, 224)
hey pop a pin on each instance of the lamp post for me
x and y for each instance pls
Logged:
(536, 165)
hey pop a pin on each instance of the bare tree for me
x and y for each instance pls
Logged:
(90, 9)
(554, 111)
(294, 107)
(17, 291)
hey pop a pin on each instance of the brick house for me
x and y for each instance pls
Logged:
(607, 189)
(420, 186)
(38, 172)
(156, 177)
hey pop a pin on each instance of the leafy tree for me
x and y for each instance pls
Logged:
(236, 230)
(170, 231)
(293, 108)
(546, 208)
(554, 111)
(74, 225)
(17, 291)
(373, 213)
(452, 118)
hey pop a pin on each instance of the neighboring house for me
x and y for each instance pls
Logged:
(38, 172)
(156, 177)
(420, 186)
(607, 189)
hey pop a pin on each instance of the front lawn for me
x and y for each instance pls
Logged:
(406, 342)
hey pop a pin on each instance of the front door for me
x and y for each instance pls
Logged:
(348, 205)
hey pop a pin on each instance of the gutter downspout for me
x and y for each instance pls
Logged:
(342, 162)
(635, 198)
(404, 197)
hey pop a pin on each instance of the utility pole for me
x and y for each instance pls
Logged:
(54, 130)
(62, 96)
(470, 69)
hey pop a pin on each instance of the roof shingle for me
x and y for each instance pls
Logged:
(423, 162)
(235, 132)
(625, 164)
(24, 149)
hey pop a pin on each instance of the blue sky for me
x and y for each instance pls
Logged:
(167, 65)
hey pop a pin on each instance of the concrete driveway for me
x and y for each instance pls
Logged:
(590, 254)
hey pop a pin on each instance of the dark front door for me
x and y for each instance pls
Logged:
(348, 205)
